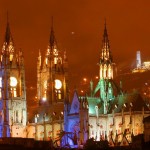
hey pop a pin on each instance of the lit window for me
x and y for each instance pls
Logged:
(55, 60)
(14, 92)
(11, 57)
(59, 94)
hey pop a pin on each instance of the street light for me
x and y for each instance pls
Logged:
(96, 77)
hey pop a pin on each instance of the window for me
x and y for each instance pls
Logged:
(13, 92)
(59, 94)
(16, 116)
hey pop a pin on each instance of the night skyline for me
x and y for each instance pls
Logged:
(78, 27)
(72, 71)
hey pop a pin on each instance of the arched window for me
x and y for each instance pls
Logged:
(13, 92)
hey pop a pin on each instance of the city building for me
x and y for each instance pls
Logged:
(107, 113)
(141, 67)
(52, 93)
(13, 109)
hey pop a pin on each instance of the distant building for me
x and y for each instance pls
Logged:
(141, 67)
(138, 59)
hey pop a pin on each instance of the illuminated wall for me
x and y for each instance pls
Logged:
(13, 111)
(52, 74)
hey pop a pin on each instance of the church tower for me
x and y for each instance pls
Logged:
(13, 110)
(52, 75)
(106, 61)
(105, 73)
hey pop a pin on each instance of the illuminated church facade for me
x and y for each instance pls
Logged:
(52, 93)
(13, 108)
(106, 113)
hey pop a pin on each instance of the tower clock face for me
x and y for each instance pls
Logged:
(58, 84)
(13, 81)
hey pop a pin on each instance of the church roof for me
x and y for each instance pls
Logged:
(75, 104)
(92, 103)
(127, 101)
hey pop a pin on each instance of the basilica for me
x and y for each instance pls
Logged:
(106, 113)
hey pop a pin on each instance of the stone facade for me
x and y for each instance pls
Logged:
(13, 109)
(146, 122)
(107, 113)
(52, 93)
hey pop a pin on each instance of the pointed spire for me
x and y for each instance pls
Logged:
(8, 37)
(52, 36)
(105, 29)
(105, 35)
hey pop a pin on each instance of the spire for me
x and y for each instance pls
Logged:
(52, 36)
(105, 35)
(8, 37)
(105, 29)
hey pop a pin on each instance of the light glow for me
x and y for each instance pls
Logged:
(44, 99)
(84, 79)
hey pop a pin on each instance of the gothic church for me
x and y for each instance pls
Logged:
(13, 108)
(106, 113)
(112, 115)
